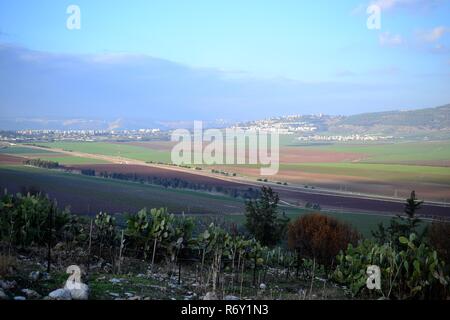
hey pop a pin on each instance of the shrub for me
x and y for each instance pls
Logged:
(414, 271)
(401, 225)
(320, 237)
(439, 239)
(30, 219)
(105, 232)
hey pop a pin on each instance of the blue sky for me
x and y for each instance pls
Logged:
(405, 64)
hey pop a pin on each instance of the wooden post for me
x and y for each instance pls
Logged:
(89, 248)
(120, 254)
(50, 236)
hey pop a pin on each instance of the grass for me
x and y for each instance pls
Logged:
(20, 150)
(112, 149)
(102, 289)
(48, 155)
(364, 223)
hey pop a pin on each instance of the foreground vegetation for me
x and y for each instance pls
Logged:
(158, 255)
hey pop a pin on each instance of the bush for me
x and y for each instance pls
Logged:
(30, 220)
(105, 233)
(401, 225)
(412, 272)
(320, 237)
(439, 239)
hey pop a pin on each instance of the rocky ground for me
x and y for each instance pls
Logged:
(24, 277)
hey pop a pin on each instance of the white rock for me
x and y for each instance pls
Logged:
(20, 298)
(78, 290)
(262, 286)
(80, 294)
(60, 294)
(7, 285)
(210, 296)
(115, 280)
(31, 294)
(230, 297)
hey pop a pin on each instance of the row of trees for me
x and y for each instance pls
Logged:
(176, 183)
(42, 163)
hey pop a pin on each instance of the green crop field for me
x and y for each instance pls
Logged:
(48, 155)
(392, 152)
(22, 151)
(112, 149)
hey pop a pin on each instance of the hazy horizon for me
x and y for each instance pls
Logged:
(175, 62)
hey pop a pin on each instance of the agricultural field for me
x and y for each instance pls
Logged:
(22, 153)
(383, 169)
(433, 153)
(389, 169)
(150, 171)
(112, 149)
(90, 195)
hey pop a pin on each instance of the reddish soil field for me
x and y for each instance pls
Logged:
(303, 155)
(400, 189)
(287, 154)
(7, 159)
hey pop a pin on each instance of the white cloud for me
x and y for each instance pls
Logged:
(390, 40)
(433, 35)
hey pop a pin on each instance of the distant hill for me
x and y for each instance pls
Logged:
(432, 118)
(422, 122)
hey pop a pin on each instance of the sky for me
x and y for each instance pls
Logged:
(181, 60)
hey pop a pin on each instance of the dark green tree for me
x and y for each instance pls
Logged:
(263, 220)
(401, 225)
